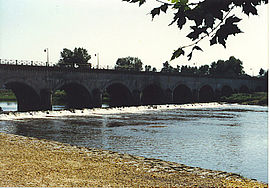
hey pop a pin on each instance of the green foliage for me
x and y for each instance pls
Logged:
(258, 98)
(7, 95)
(106, 98)
(229, 68)
(148, 68)
(261, 73)
(204, 70)
(59, 97)
(188, 70)
(129, 63)
(212, 19)
(167, 67)
(79, 57)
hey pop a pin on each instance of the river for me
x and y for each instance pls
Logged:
(228, 137)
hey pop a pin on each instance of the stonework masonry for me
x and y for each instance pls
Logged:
(33, 86)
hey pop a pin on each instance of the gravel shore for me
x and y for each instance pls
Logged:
(30, 162)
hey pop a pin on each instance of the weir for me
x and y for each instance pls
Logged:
(34, 85)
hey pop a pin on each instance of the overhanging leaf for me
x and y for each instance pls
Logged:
(177, 53)
(164, 7)
(196, 48)
(155, 11)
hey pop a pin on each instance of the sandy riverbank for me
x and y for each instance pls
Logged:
(32, 162)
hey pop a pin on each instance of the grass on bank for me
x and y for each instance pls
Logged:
(7, 95)
(257, 98)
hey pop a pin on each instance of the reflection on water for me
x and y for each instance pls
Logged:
(231, 138)
(12, 106)
(8, 106)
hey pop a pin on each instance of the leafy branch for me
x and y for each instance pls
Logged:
(204, 15)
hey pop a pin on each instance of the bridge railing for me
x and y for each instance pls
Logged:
(50, 64)
(89, 66)
(25, 62)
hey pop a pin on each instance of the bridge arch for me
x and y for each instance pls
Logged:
(258, 89)
(244, 89)
(182, 94)
(119, 94)
(226, 91)
(28, 98)
(206, 93)
(152, 94)
(78, 96)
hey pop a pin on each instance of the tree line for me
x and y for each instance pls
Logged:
(233, 67)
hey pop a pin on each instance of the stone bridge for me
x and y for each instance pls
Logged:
(34, 86)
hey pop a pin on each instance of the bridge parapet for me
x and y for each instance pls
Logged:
(24, 62)
(85, 87)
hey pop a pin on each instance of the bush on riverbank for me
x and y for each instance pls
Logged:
(257, 98)
(59, 97)
(7, 95)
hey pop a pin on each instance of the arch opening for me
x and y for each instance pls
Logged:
(152, 94)
(73, 95)
(27, 98)
(244, 89)
(182, 94)
(206, 94)
(258, 89)
(226, 91)
(8, 100)
(117, 95)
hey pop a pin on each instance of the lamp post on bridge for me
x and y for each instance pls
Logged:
(97, 54)
(47, 50)
(252, 72)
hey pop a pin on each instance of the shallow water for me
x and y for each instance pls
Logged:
(230, 138)
(8, 106)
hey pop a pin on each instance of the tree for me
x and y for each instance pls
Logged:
(261, 73)
(129, 63)
(212, 19)
(229, 68)
(167, 67)
(188, 70)
(147, 68)
(77, 58)
(204, 70)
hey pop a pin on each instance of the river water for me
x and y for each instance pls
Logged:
(232, 138)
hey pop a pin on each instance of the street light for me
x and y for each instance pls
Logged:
(97, 54)
(47, 50)
(252, 72)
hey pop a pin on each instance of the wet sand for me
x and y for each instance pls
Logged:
(29, 162)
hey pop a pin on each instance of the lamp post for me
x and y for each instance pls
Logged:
(47, 50)
(97, 54)
(252, 72)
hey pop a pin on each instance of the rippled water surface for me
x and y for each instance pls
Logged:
(230, 138)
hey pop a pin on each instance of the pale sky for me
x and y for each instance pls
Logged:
(116, 29)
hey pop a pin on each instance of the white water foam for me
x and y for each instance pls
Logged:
(102, 111)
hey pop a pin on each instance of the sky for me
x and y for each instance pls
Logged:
(116, 29)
